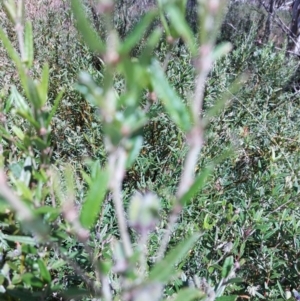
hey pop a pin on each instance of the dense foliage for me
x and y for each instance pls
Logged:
(236, 230)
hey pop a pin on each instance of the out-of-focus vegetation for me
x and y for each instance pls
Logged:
(61, 157)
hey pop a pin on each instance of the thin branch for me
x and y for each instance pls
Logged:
(117, 163)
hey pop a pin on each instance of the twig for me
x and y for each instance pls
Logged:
(195, 136)
(117, 161)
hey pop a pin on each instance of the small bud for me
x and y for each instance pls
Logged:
(152, 96)
(43, 131)
(112, 58)
(170, 40)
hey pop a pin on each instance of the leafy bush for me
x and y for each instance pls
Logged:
(63, 225)
(59, 210)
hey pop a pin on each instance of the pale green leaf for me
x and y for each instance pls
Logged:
(28, 45)
(85, 28)
(175, 107)
(95, 196)
(163, 271)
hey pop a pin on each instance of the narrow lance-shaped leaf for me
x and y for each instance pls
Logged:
(152, 42)
(44, 271)
(198, 184)
(11, 10)
(181, 27)
(28, 45)
(163, 19)
(26, 171)
(138, 32)
(19, 101)
(221, 50)
(92, 204)
(13, 54)
(33, 95)
(224, 98)
(227, 267)
(42, 87)
(227, 298)
(137, 144)
(20, 239)
(54, 108)
(163, 271)
(85, 28)
(23, 108)
(175, 107)
(188, 294)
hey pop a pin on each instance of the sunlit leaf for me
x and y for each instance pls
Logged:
(181, 27)
(95, 196)
(198, 184)
(163, 270)
(227, 267)
(227, 298)
(175, 107)
(43, 85)
(138, 32)
(28, 45)
(188, 294)
(44, 271)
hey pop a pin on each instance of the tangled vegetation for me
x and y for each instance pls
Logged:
(119, 181)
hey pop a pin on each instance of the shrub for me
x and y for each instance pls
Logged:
(243, 201)
(60, 243)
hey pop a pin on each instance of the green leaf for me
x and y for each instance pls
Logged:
(235, 280)
(206, 223)
(39, 143)
(163, 19)
(188, 294)
(33, 95)
(85, 28)
(138, 32)
(44, 271)
(28, 45)
(151, 43)
(175, 107)
(227, 298)
(23, 108)
(281, 289)
(137, 144)
(13, 54)
(31, 280)
(42, 87)
(227, 267)
(26, 171)
(19, 101)
(163, 271)
(21, 239)
(11, 10)
(19, 133)
(223, 100)
(55, 107)
(198, 184)
(181, 27)
(51, 214)
(57, 264)
(92, 204)
(221, 50)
